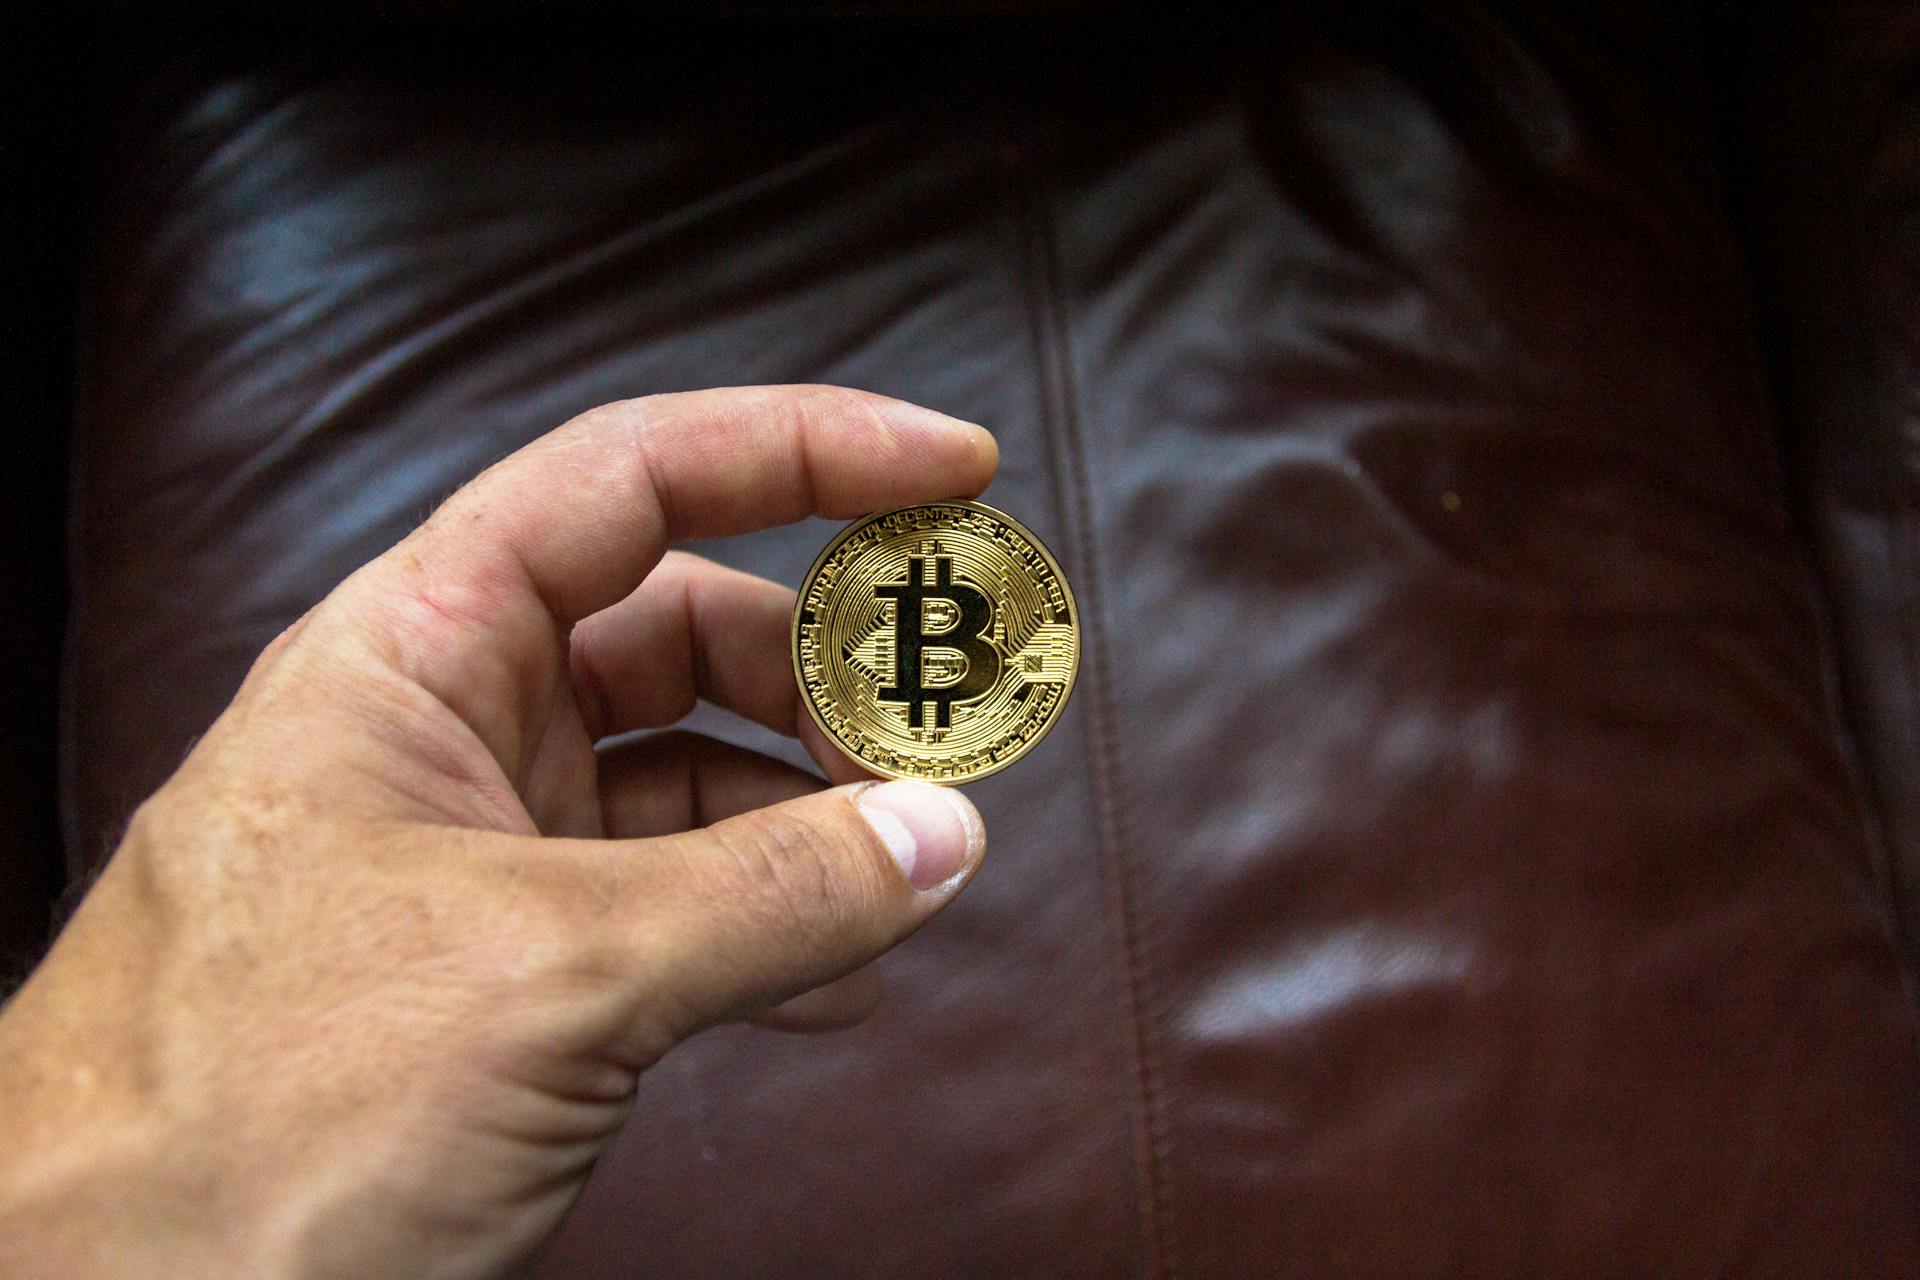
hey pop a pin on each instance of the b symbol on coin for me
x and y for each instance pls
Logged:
(919, 650)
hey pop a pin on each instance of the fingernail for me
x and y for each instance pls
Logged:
(931, 831)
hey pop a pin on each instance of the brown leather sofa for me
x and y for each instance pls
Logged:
(1482, 437)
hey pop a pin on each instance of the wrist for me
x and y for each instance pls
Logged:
(94, 1178)
(70, 1186)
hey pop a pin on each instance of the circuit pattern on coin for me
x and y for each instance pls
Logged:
(937, 641)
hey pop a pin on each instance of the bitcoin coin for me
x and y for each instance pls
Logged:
(936, 641)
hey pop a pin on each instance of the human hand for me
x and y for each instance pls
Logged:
(368, 984)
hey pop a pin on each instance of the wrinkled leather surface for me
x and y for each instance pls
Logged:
(1834, 195)
(1451, 862)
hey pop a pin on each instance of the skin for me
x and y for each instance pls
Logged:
(369, 982)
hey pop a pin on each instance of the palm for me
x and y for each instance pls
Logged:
(526, 762)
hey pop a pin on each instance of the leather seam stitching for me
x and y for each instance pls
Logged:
(1152, 1132)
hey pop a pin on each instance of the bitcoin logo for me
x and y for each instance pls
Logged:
(936, 641)
(964, 634)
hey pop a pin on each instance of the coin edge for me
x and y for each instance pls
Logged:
(847, 532)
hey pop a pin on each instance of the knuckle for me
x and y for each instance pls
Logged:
(846, 406)
(469, 502)
(794, 877)
(834, 396)
(859, 421)
(214, 855)
(626, 412)
(281, 642)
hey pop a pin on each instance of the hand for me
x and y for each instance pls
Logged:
(368, 984)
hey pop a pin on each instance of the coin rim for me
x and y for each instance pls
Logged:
(839, 539)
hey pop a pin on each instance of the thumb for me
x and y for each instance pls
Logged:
(763, 906)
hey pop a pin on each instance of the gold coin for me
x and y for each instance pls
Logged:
(936, 642)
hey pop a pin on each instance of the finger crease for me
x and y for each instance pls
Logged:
(810, 491)
(588, 683)
(696, 650)
(538, 590)
(656, 485)
(703, 676)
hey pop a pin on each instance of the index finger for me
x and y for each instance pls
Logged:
(475, 605)
(583, 513)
